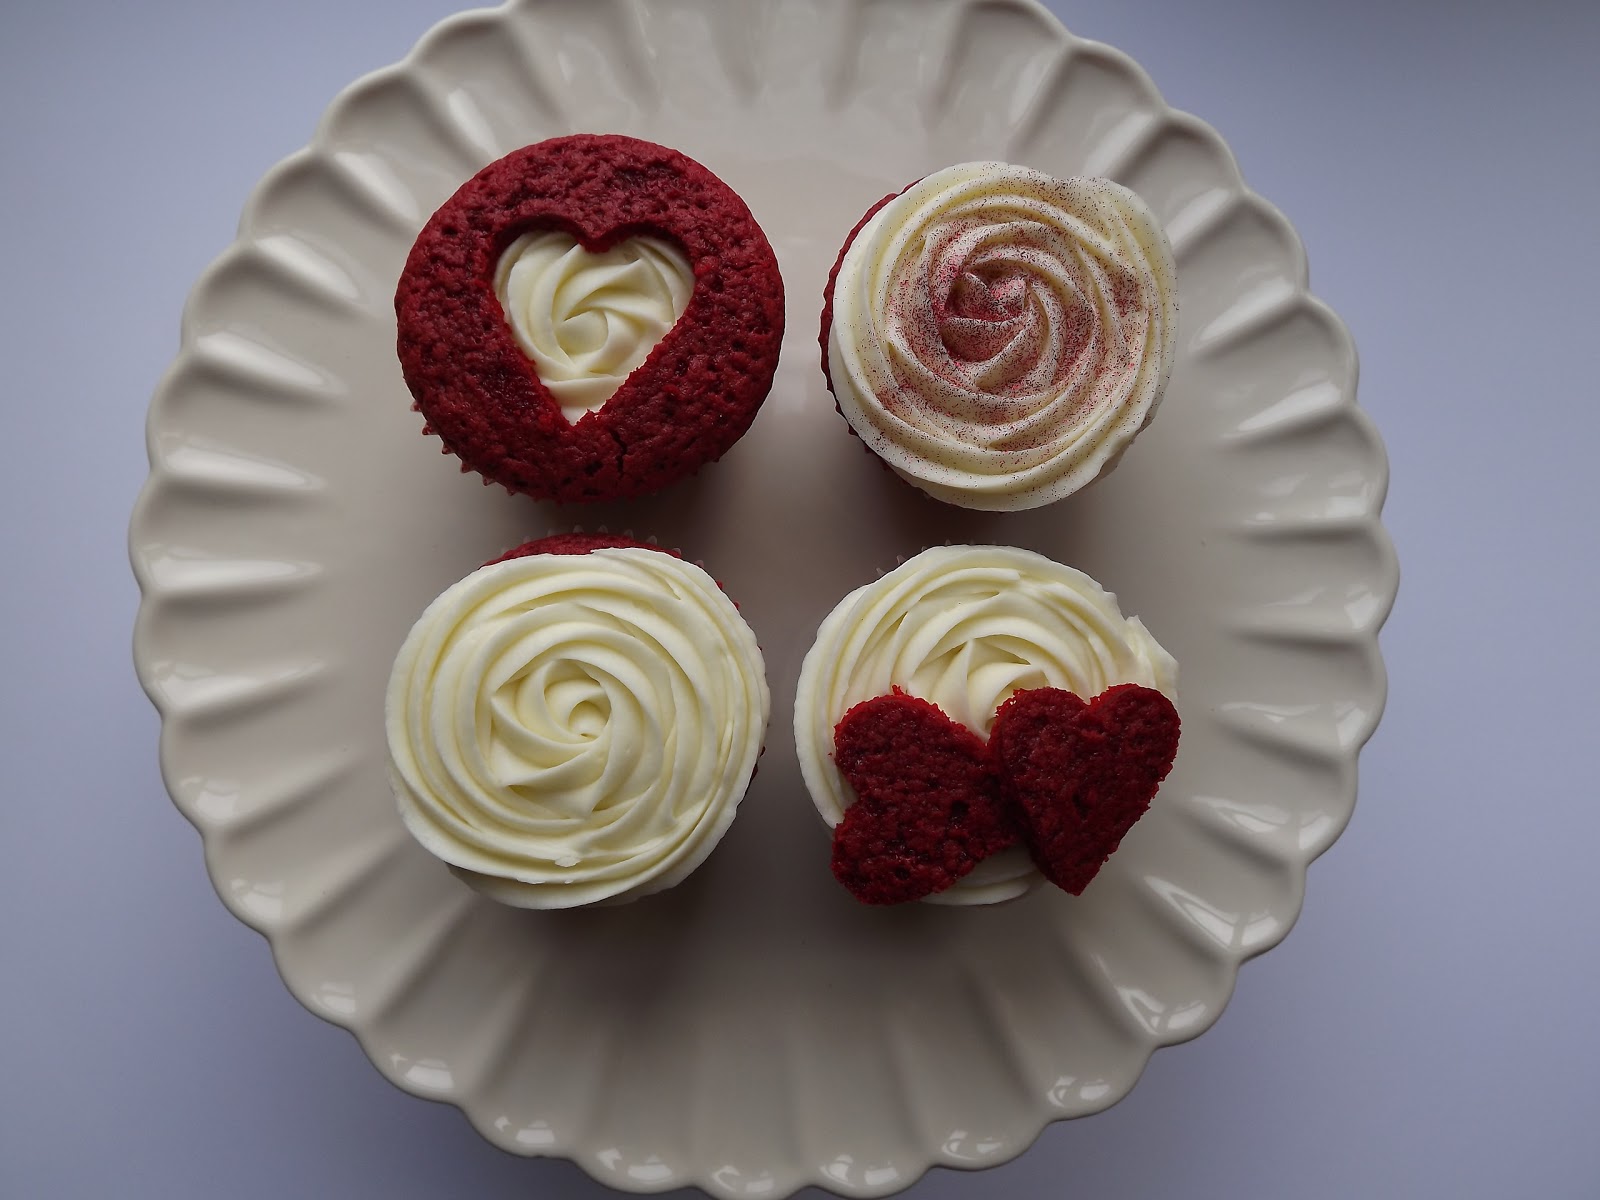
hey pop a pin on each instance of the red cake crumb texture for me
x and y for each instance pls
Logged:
(1079, 775)
(582, 543)
(1066, 778)
(927, 808)
(685, 405)
(577, 543)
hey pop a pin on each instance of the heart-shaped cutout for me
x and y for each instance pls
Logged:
(1080, 775)
(587, 319)
(693, 392)
(927, 805)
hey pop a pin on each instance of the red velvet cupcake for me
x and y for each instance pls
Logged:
(590, 318)
(576, 722)
(977, 721)
(999, 337)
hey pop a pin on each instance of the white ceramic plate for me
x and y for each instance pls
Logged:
(754, 1030)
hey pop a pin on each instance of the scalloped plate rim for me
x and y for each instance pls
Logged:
(795, 1175)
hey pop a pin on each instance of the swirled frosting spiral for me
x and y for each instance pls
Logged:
(587, 320)
(566, 729)
(965, 627)
(999, 336)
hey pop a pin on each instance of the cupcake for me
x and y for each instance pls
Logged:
(998, 337)
(576, 722)
(590, 318)
(995, 717)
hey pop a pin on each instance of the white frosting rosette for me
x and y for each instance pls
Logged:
(999, 336)
(570, 729)
(587, 320)
(965, 627)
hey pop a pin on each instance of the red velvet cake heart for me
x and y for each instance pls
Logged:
(927, 808)
(590, 318)
(1079, 775)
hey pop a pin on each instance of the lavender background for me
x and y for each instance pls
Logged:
(1425, 1030)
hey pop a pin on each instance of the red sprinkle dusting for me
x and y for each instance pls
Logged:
(981, 313)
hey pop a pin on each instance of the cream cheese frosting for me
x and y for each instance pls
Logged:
(965, 627)
(587, 320)
(569, 729)
(999, 336)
